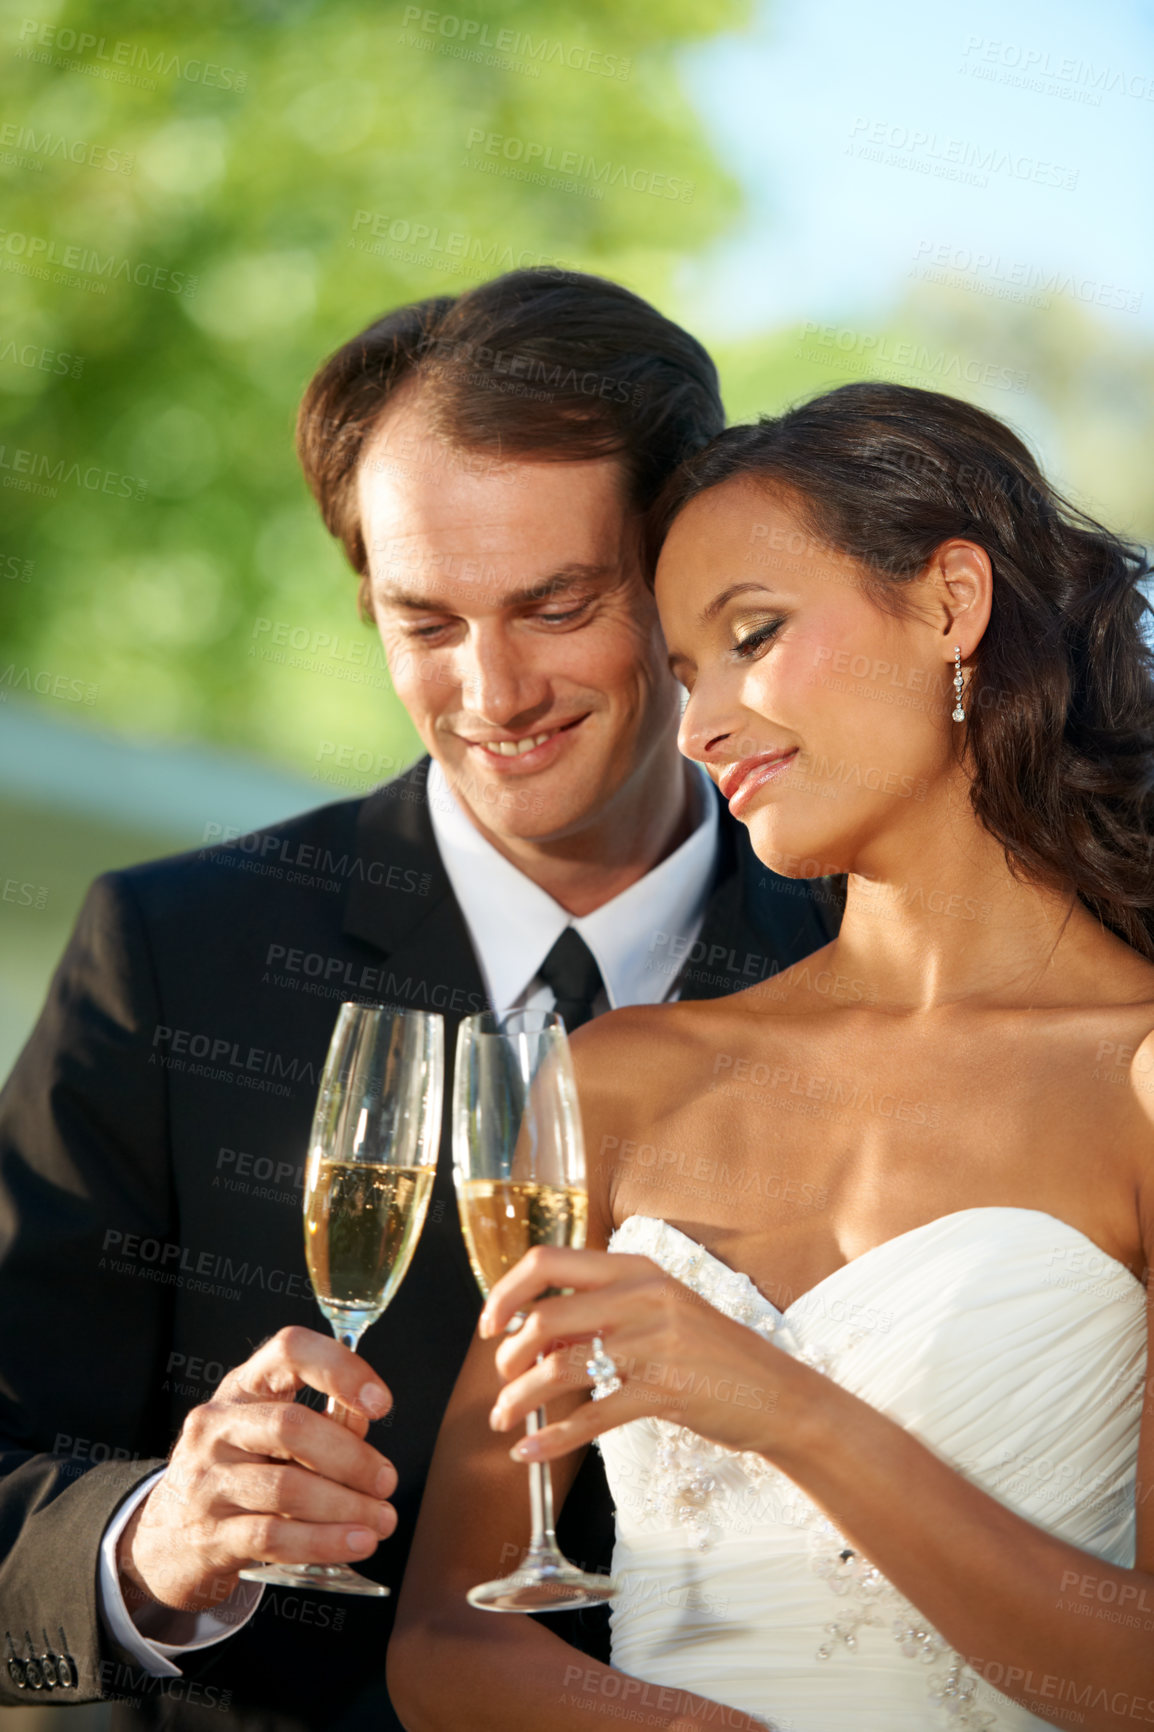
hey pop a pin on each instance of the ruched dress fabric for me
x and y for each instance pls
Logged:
(1003, 1339)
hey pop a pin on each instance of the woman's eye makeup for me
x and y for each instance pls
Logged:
(749, 640)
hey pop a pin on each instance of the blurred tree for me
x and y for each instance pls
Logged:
(1080, 390)
(200, 204)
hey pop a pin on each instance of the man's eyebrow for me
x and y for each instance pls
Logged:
(559, 582)
(727, 595)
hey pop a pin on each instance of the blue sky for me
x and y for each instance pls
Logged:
(930, 89)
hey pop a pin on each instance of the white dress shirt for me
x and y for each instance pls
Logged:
(514, 924)
(155, 1657)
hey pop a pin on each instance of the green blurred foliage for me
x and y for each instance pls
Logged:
(292, 170)
(1080, 390)
(236, 147)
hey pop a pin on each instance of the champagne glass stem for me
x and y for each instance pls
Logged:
(540, 1493)
(349, 1335)
(519, 1167)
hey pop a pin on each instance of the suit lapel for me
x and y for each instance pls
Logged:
(400, 900)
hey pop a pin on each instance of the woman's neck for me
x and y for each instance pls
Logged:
(935, 916)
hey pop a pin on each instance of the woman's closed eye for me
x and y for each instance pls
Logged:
(759, 638)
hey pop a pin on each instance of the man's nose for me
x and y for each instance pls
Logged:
(498, 679)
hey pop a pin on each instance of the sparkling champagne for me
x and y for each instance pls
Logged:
(503, 1218)
(362, 1223)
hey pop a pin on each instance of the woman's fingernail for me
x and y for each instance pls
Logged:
(497, 1418)
(387, 1480)
(528, 1449)
(374, 1400)
(360, 1540)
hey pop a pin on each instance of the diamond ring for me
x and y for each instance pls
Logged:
(603, 1370)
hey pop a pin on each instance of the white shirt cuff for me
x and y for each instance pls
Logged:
(210, 1626)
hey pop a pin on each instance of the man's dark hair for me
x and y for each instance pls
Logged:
(538, 363)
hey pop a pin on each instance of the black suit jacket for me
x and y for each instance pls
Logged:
(152, 1136)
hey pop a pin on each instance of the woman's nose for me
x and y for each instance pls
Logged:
(707, 726)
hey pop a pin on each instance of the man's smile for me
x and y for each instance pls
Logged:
(529, 751)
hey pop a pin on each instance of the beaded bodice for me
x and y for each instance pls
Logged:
(1006, 1341)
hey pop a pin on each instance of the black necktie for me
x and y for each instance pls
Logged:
(571, 971)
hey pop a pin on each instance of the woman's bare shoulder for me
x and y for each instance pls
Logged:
(642, 1055)
(619, 1035)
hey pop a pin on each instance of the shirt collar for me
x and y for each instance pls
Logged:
(514, 923)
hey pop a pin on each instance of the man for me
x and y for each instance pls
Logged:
(485, 462)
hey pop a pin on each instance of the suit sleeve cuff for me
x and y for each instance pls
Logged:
(152, 1653)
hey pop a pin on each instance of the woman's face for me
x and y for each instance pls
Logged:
(824, 720)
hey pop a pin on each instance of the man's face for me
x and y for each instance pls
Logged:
(519, 634)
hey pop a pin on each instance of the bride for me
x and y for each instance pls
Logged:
(877, 1228)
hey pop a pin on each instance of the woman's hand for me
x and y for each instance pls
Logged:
(678, 1357)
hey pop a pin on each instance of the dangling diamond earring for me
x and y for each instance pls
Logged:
(959, 712)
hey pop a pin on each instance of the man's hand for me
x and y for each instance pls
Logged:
(256, 1478)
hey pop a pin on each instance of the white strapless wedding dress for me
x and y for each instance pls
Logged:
(1007, 1342)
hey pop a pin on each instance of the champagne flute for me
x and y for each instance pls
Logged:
(371, 1164)
(519, 1167)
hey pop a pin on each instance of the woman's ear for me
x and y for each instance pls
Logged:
(962, 585)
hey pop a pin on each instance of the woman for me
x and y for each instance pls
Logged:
(878, 1228)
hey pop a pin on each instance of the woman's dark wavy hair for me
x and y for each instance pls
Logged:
(1060, 692)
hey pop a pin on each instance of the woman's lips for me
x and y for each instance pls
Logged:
(742, 780)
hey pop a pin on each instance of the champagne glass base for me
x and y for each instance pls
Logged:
(328, 1578)
(548, 1587)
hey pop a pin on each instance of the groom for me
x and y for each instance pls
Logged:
(485, 462)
